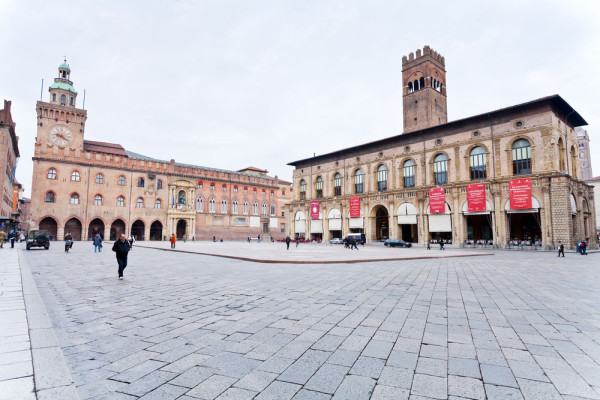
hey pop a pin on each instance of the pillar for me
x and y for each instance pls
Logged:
(60, 232)
(147, 231)
(106, 232)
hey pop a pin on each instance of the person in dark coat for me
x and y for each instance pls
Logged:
(561, 249)
(287, 242)
(121, 247)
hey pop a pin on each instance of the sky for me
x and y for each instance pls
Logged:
(231, 84)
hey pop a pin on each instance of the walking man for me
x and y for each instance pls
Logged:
(561, 249)
(121, 247)
(287, 242)
(258, 241)
(2, 238)
(97, 243)
(297, 241)
(583, 248)
(354, 246)
(173, 241)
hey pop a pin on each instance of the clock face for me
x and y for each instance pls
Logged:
(60, 135)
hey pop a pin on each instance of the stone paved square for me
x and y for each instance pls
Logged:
(518, 324)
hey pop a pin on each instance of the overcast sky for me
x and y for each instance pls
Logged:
(229, 84)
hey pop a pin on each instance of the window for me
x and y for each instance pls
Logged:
(319, 187)
(245, 189)
(234, 207)
(235, 189)
(199, 205)
(51, 173)
(74, 199)
(99, 178)
(264, 192)
(212, 186)
(245, 208)
(53, 96)
(255, 208)
(159, 184)
(63, 100)
(139, 203)
(200, 185)
(440, 169)
(120, 201)
(240, 221)
(50, 197)
(477, 162)
(121, 181)
(382, 178)
(337, 185)
(408, 172)
(358, 181)
(97, 200)
(272, 210)
(264, 209)
(224, 188)
(211, 206)
(521, 156)
(157, 203)
(71, 101)
(223, 206)
(282, 228)
(254, 191)
(140, 182)
(272, 193)
(302, 189)
(75, 176)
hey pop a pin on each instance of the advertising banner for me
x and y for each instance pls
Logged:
(520, 193)
(476, 197)
(437, 200)
(314, 210)
(354, 207)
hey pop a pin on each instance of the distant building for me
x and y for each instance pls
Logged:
(585, 158)
(596, 183)
(9, 153)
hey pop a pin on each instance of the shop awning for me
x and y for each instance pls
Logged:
(299, 226)
(407, 219)
(335, 224)
(407, 214)
(535, 206)
(316, 226)
(440, 223)
(356, 223)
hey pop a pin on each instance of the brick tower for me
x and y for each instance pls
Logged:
(424, 90)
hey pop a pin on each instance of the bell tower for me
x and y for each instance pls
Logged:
(424, 90)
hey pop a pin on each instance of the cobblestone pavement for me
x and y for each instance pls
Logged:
(517, 325)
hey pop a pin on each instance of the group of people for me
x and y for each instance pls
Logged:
(288, 241)
(12, 236)
(350, 243)
(581, 248)
(439, 241)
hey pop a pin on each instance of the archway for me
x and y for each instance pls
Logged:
(181, 228)
(382, 222)
(137, 230)
(49, 224)
(73, 226)
(156, 231)
(96, 227)
(116, 229)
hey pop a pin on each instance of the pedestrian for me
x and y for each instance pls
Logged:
(584, 247)
(97, 243)
(287, 242)
(214, 238)
(249, 240)
(121, 247)
(561, 249)
(441, 242)
(12, 240)
(354, 246)
(173, 241)
(428, 245)
(131, 240)
(297, 241)
(2, 239)
(258, 241)
(579, 248)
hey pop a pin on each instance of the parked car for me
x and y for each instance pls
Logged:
(396, 243)
(38, 238)
(336, 241)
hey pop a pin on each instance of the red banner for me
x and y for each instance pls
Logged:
(520, 194)
(314, 210)
(476, 197)
(437, 201)
(354, 207)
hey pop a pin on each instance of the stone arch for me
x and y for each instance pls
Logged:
(156, 230)
(138, 228)
(117, 227)
(379, 217)
(96, 226)
(50, 224)
(74, 226)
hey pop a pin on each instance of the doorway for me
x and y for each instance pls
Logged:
(116, 229)
(181, 228)
(382, 223)
(96, 228)
(73, 226)
(156, 231)
(49, 224)
(137, 230)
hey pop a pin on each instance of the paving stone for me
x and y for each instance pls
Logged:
(355, 388)
(212, 387)
(498, 375)
(396, 377)
(432, 366)
(165, 392)
(237, 394)
(327, 378)
(464, 367)
(343, 357)
(304, 394)
(402, 359)
(534, 390)
(279, 391)
(430, 386)
(382, 392)
(193, 377)
(494, 392)
(367, 366)
(256, 380)
(465, 387)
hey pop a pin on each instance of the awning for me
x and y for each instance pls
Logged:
(535, 206)
(334, 213)
(316, 226)
(440, 223)
(407, 219)
(488, 209)
(407, 214)
(356, 223)
(299, 226)
(335, 224)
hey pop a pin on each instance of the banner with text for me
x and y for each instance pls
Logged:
(314, 210)
(476, 197)
(520, 193)
(437, 201)
(354, 207)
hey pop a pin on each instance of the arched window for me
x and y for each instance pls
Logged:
(302, 189)
(74, 199)
(358, 181)
(319, 187)
(63, 100)
(477, 162)
(422, 83)
(99, 178)
(574, 162)
(97, 200)
(71, 101)
(245, 208)
(53, 96)
(410, 87)
(121, 181)
(382, 178)
(75, 176)
(200, 205)
(120, 201)
(50, 197)
(234, 207)
(416, 85)
(255, 208)
(223, 206)
(408, 172)
(337, 185)
(157, 203)
(440, 169)
(139, 203)
(159, 184)
(211, 206)
(51, 174)
(140, 182)
(264, 209)
(272, 210)
(521, 156)
(561, 154)
(181, 197)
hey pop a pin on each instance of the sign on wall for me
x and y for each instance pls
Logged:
(437, 200)
(520, 193)
(355, 207)
(476, 197)
(314, 210)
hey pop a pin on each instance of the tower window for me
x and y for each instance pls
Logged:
(74, 199)
(71, 101)
(75, 176)
(53, 96)
(120, 201)
(97, 200)
(63, 100)
(50, 197)
(422, 83)
(121, 181)
(410, 87)
(140, 182)
(51, 173)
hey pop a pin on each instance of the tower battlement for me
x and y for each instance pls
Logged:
(426, 54)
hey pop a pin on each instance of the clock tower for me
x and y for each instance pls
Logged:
(61, 124)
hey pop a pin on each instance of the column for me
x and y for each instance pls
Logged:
(106, 232)
(147, 232)
(60, 232)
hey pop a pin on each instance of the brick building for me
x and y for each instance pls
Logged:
(86, 187)
(389, 180)
(9, 154)
(585, 157)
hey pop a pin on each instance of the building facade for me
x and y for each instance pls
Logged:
(595, 182)
(87, 187)
(585, 157)
(9, 155)
(383, 188)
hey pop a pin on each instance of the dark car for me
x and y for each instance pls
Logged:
(396, 243)
(38, 238)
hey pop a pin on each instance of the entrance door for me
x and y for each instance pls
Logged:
(409, 233)
(181, 228)
(73, 226)
(382, 227)
(156, 231)
(137, 230)
(116, 229)
(525, 226)
(479, 227)
(50, 225)
(96, 228)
